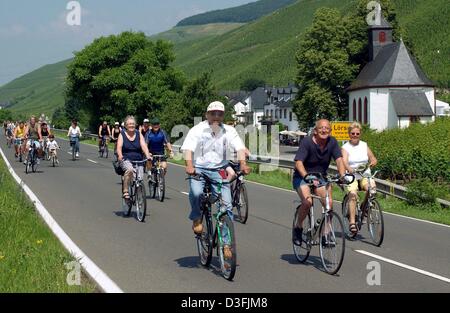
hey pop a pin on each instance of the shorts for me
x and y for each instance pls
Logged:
(359, 184)
(298, 181)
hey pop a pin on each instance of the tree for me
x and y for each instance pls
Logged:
(121, 75)
(332, 52)
(252, 83)
(5, 115)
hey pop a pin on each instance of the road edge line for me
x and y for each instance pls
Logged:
(101, 278)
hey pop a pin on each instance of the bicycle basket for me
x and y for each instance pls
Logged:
(119, 171)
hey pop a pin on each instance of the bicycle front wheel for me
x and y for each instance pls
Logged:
(227, 237)
(161, 188)
(302, 251)
(141, 203)
(332, 242)
(242, 205)
(375, 223)
(205, 241)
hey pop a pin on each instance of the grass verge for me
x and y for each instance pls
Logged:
(31, 258)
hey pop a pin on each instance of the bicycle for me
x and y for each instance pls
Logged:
(103, 152)
(45, 148)
(73, 145)
(9, 140)
(329, 228)
(156, 178)
(18, 142)
(136, 191)
(212, 236)
(32, 159)
(53, 157)
(239, 196)
(370, 209)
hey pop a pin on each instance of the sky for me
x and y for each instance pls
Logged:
(34, 33)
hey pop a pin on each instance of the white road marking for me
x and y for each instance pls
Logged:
(92, 161)
(416, 219)
(411, 268)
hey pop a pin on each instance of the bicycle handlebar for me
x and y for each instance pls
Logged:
(311, 177)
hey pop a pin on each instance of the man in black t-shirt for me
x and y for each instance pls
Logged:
(314, 155)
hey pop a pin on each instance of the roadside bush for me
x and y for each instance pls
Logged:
(421, 192)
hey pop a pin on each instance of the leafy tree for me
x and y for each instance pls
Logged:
(5, 115)
(120, 75)
(252, 83)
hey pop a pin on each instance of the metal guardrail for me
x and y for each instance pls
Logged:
(383, 186)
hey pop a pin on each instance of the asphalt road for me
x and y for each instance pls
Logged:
(160, 255)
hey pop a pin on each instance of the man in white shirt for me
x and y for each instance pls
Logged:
(206, 149)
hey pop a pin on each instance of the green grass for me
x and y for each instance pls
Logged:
(31, 257)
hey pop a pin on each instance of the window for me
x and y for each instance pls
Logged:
(414, 119)
(290, 116)
(366, 111)
(285, 113)
(354, 109)
(359, 110)
(271, 113)
(276, 113)
(267, 112)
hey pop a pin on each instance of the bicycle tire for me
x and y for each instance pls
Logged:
(27, 165)
(227, 266)
(73, 152)
(161, 186)
(302, 252)
(152, 185)
(53, 161)
(334, 240)
(126, 205)
(106, 151)
(242, 205)
(205, 241)
(141, 208)
(378, 219)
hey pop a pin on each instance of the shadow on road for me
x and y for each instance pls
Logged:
(311, 261)
(194, 262)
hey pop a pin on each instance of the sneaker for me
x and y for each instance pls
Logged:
(227, 254)
(297, 236)
(197, 227)
(328, 243)
(77, 155)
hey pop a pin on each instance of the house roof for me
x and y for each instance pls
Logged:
(410, 103)
(239, 95)
(259, 98)
(393, 66)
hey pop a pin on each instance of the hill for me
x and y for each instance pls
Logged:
(263, 49)
(181, 34)
(40, 91)
(240, 14)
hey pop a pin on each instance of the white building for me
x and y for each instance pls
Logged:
(442, 108)
(391, 90)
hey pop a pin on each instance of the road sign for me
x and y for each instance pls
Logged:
(339, 130)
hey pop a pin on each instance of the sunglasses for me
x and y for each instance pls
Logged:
(217, 113)
(355, 134)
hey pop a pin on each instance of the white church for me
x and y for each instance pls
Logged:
(391, 90)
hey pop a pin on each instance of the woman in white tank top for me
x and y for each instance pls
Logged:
(355, 154)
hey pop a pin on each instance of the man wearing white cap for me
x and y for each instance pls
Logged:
(144, 128)
(206, 149)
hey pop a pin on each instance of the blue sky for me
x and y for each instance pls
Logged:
(35, 32)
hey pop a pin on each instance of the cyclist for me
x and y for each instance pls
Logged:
(75, 134)
(115, 135)
(205, 149)
(314, 155)
(19, 136)
(104, 132)
(33, 134)
(157, 139)
(356, 153)
(53, 146)
(5, 126)
(145, 128)
(130, 147)
(10, 130)
(45, 133)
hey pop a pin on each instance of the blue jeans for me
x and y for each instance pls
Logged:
(77, 143)
(196, 190)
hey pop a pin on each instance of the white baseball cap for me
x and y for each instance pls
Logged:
(116, 123)
(216, 106)
(146, 120)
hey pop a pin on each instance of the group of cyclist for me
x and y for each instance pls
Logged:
(31, 134)
(206, 149)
